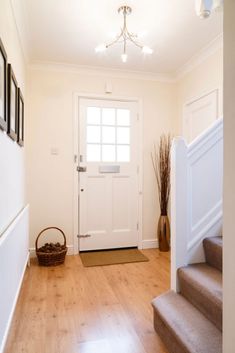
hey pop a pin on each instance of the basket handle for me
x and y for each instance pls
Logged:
(36, 242)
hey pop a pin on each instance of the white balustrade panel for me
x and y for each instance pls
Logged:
(196, 195)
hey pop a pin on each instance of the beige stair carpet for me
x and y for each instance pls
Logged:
(213, 251)
(201, 285)
(183, 328)
(191, 321)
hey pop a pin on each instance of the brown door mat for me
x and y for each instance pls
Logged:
(111, 257)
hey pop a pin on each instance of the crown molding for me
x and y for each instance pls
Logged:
(190, 65)
(101, 71)
(200, 57)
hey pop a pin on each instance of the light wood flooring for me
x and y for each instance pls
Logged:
(72, 309)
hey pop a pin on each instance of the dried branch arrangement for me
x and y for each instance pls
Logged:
(162, 168)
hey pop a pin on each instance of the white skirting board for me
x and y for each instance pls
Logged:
(13, 260)
(146, 244)
(150, 244)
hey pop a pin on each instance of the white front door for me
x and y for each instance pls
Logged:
(108, 177)
(199, 114)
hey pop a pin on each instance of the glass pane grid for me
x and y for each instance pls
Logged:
(93, 115)
(108, 116)
(93, 134)
(123, 117)
(108, 135)
(93, 125)
(114, 125)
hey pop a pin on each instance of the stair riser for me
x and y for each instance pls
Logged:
(212, 310)
(166, 335)
(213, 253)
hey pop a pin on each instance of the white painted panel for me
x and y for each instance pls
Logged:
(121, 203)
(200, 114)
(206, 182)
(96, 207)
(13, 258)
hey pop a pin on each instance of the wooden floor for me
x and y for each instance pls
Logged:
(72, 309)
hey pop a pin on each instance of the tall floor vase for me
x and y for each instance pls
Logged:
(163, 233)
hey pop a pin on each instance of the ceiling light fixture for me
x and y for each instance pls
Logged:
(204, 8)
(124, 36)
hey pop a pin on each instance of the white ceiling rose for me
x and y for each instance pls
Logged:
(204, 8)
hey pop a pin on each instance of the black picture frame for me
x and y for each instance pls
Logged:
(20, 112)
(3, 88)
(12, 121)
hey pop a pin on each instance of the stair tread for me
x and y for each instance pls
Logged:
(201, 284)
(213, 248)
(206, 278)
(189, 327)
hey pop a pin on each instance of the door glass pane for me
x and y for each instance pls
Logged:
(123, 135)
(93, 153)
(123, 117)
(108, 153)
(93, 116)
(108, 134)
(123, 153)
(108, 116)
(93, 134)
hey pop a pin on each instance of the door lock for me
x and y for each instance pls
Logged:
(81, 169)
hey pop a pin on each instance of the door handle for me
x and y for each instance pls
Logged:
(81, 169)
(84, 235)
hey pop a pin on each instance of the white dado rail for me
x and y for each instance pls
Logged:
(196, 196)
(13, 259)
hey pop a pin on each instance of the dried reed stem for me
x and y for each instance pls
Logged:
(162, 168)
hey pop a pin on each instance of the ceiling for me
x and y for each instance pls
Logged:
(67, 31)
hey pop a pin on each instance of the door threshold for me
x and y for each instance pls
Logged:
(110, 249)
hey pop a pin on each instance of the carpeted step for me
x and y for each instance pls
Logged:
(213, 248)
(182, 327)
(201, 284)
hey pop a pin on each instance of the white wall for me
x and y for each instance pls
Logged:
(50, 178)
(11, 155)
(201, 79)
(13, 241)
(229, 177)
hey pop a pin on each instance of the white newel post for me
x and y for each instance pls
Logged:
(179, 208)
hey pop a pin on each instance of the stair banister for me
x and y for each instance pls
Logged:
(196, 196)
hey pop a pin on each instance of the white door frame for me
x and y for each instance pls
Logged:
(76, 97)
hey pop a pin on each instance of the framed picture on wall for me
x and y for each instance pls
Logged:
(12, 123)
(3, 88)
(20, 110)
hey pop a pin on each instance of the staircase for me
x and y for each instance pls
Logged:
(191, 321)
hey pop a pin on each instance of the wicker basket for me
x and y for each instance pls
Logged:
(52, 258)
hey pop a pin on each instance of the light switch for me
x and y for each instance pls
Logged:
(54, 151)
